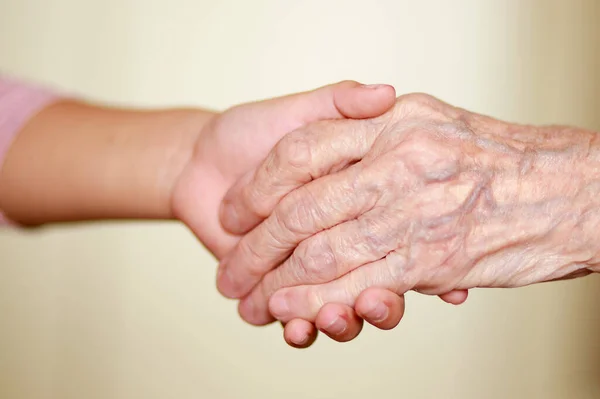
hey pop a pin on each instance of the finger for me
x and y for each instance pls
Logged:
(301, 156)
(300, 333)
(346, 99)
(329, 255)
(334, 252)
(382, 308)
(307, 210)
(339, 322)
(305, 301)
(456, 297)
(314, 209)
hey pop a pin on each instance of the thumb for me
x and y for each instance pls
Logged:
(347, 99)
(253, 197)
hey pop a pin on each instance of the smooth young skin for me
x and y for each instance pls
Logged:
(428, 197)
(76, 161)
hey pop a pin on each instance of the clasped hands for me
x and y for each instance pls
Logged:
(353, 197)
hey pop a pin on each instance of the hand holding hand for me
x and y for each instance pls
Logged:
(236, 141)
(427, 197)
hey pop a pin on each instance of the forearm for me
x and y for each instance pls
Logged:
(75, 161)
(559, 193)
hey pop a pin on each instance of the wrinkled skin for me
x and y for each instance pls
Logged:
(237, 140)
(427, 197)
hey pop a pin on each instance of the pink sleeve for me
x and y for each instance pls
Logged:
(19, 102)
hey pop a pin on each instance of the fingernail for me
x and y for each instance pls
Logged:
(374, 87)
(279, 306)
(378, 313)
(337, 326)
(302, 341)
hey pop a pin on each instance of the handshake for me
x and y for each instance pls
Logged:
(324, 208)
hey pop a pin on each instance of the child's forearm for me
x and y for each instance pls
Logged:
(75, 161)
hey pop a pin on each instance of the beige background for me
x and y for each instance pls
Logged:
(130, 311)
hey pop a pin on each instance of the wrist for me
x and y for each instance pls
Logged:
(545, 202)
(575, 179)
(187, 130)
(588, 199)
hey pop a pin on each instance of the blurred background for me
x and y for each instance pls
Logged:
(129, 310)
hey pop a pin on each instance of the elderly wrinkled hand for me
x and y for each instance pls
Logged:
(427, 197)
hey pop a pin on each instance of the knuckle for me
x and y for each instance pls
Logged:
(297, 211)
(428, 159)
(294, 150)
(306, 266)
(346, 83)
(315, 261)
(417, 104)
(417, 98)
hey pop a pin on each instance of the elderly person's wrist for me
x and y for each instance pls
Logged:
(571, 159)
(547, 210)
(587, 168)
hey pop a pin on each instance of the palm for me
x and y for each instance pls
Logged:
(230, 146)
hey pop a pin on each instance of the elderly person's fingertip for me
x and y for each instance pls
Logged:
(337, 326)
(299, 333)
(457, 297)
(339, 322)
(377, 311)
(381, 308)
